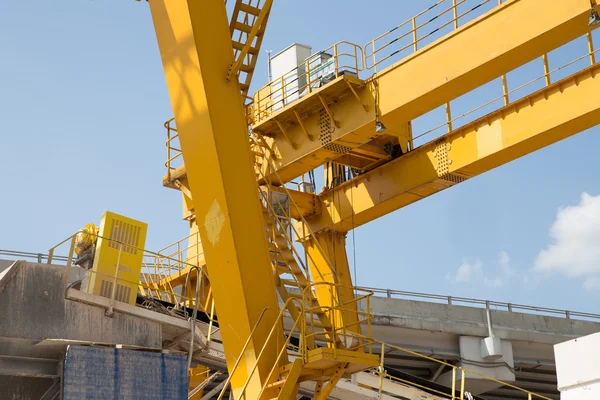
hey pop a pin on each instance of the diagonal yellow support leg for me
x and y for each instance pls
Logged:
(326, 389)
(196, 50)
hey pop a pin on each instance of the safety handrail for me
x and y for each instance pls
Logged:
(305, 225)
(173, 153)
(278, 323)
(278, 93)
(149, 272)
(453, 300)
(463, 372)
(337, 312)
(546, 76)
(371, 48)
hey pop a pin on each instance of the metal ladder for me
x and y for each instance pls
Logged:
(248, 23)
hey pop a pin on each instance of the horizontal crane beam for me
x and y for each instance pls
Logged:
(503, 39)
(538, 120)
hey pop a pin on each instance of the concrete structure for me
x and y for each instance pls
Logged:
(578, 368)
(39, 317)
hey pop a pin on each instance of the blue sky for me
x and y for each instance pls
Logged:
(83, 99)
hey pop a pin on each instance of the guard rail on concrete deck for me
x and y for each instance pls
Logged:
(454, 300)
(400, 294)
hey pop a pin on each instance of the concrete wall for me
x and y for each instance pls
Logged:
(470, 321)
(33, 307)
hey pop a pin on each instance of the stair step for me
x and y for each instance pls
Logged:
(276, 384)
(293, 283)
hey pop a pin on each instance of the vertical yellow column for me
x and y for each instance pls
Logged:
(196, 50)
(329, 264)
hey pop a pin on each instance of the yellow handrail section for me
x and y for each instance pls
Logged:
(546, 77)
(174, 154)
(274, 334)
(452, 394)
(342, 58)
(349, 333)
(155, 269)
(396, 41)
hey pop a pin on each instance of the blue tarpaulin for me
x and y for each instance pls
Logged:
(97, 373)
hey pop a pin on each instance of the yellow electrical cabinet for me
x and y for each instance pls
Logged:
(119, 251)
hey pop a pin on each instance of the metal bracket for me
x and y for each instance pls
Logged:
(364, 106)
(183, 188)
(280, 125)
(329, 112)
(310, 137)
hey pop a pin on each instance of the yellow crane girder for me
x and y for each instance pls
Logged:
(554, 113)
(508, 36)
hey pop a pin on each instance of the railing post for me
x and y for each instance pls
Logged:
(454, 8)
(389, 293)
(169, 149)
(568, 314)
(71, 250)
(381, 368)
(462, 384)
(505, 90)
(453, 383)
(414, 31)
(110, 310)
(374, 57)
(282, 91)
(448, 117)
(449, 300)
(509, 307)
(591, 48)
(335, 56)
(308, 81)
(546, 69)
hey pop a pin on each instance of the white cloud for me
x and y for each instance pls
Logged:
(466, 272)
(505, 274)
(592, 283)
(474, 272)
(575, 251)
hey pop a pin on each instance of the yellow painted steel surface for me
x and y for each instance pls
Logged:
(196, 50)
(542, 118)
(328, 263)
(508, 36)
(118, 248)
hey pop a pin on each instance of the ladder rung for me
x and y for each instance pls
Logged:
(246, 68)
(239, 46)
(240, 26)
(248, 9)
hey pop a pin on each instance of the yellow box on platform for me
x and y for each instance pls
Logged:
(119, 252)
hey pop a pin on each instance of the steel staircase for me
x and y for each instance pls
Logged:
(247, 25)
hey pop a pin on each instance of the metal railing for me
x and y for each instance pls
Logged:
(174, 153)
(501, 306)
(40, 257)
(187, 249)
(155, 271)
(275, 333)
(346, 318)
(546, 77)
(342, 58)
(458, 389)
(405, 39)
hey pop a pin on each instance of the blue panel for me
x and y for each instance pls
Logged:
(97, 373)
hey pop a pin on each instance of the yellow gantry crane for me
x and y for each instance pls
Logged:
(244, 237)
